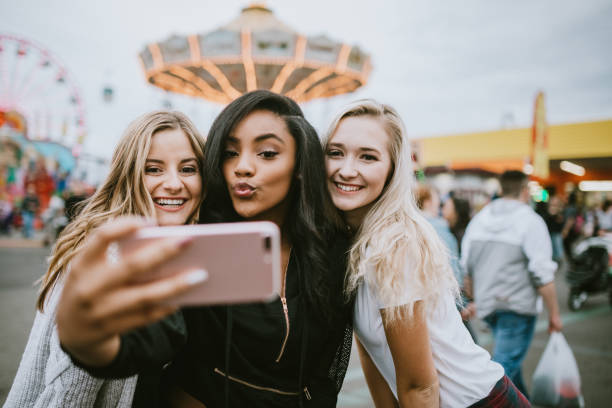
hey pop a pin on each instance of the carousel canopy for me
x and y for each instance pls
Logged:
(255, 51)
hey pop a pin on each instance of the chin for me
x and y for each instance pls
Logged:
(165, 220)
(346, 205)
(246, 213)
(245, 209)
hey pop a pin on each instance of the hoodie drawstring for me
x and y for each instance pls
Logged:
(228, 342)
(304, 340)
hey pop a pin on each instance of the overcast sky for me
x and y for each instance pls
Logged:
(447, 66)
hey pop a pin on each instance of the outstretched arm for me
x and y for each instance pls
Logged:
(100, 299)
(379, 389)
(416, 376)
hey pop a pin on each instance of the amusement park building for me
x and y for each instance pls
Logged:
(587, 144)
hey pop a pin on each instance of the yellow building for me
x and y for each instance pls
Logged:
(588, 145)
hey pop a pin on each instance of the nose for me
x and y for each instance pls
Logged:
(348, 169)
(173, 182)
(244, 166)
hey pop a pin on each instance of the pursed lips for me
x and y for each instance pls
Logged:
(243, 190)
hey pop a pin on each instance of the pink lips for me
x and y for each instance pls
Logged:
(243, 190)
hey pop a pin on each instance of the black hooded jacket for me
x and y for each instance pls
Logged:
(253, 355)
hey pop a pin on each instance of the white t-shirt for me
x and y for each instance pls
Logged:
(466, 373)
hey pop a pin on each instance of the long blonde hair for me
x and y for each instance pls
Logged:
(394, 235)
(123, 192)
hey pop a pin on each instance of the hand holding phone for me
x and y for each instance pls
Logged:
(242, 260)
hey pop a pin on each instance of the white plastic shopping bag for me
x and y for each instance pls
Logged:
(556, 380)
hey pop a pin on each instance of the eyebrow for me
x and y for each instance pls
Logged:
(182, 161)
(362, 149)
(260, 138)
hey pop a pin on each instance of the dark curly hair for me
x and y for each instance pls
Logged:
(311, 220)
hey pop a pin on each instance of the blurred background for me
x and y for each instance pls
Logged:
(482, 86)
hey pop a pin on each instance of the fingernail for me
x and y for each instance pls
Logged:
(197, 276)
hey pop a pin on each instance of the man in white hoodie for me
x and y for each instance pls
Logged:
(507, 254)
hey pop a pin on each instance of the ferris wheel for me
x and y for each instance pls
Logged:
(36, 86)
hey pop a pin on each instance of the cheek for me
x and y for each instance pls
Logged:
(149, 183)
(195, 186)
(225, 169)
(281, 178)
(286, 176)
(380, 177)
(329, 167)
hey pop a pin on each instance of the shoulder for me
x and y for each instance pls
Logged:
(531, 219)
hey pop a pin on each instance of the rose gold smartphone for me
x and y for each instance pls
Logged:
(242, 260)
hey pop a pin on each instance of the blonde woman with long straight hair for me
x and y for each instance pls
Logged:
(155, 173)
(414, 349)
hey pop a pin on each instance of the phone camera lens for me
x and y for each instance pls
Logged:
(268, 243)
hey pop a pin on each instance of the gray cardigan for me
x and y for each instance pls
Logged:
(47, 378)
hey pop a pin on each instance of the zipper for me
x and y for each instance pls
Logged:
(285, 312)
(260, 388)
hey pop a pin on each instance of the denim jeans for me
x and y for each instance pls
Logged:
(557, 246)
(28, 223)
(512, 334)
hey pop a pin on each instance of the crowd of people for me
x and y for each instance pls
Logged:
(38, 200)
(572, 219)
(366, 251)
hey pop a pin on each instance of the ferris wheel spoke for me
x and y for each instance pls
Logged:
(40, 82)
(4, 101)
(26, 81)
(14, 73)
(39, 88)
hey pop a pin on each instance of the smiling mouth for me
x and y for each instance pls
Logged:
(348, 188)
(169, 203)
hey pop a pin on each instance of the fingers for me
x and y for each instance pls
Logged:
(145, 299)
(144, 260)
(106, 278)
(555, 325)
(115, 230)
(143, 304)
(131, 321)
(121, 310)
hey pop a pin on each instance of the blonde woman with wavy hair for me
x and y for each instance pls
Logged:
(155, 173)
(414, 348)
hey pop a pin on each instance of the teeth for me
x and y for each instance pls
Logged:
(167, 201)
(347, 188)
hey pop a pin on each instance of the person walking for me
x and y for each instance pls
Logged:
(507, 255)
(428, 201)
(457, 213)
(29, 208)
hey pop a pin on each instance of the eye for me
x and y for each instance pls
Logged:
(152, 170)
(229, 153)
(369, 157)
(268, 154)
(334, 153)
(189, 169)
